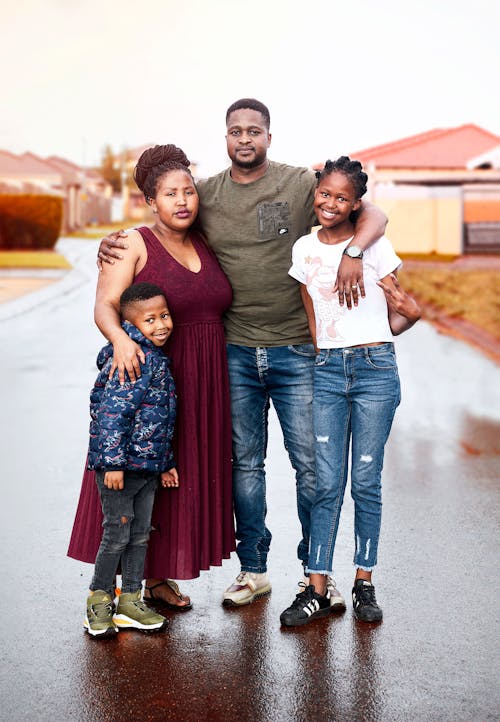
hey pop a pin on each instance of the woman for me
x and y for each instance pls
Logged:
(192, 524)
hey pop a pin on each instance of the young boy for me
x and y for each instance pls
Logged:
(131, 431)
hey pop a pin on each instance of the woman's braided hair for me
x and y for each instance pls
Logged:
(352, 169)
(154, 163)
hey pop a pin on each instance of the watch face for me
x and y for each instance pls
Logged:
(354, 251)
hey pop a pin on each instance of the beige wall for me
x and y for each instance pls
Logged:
(422, 219)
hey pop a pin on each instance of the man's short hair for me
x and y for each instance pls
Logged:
(250, 104)
(139, 292)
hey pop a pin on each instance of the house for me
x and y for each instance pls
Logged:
(440, 190)
(86, 196)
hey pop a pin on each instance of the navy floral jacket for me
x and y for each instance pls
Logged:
(132, 425)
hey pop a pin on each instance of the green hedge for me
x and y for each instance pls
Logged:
(30, 221)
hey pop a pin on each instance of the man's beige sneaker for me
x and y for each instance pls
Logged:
(247, 587)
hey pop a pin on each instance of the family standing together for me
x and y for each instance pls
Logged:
(249, 327)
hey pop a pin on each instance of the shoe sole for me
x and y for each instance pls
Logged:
(301, 622)
(226, 602)
(122, 621)
(338, 606)
(108, 632)
(369, 621)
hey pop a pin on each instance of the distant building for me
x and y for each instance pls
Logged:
(86, 195)
(440, 190)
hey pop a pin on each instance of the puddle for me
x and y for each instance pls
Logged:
(480, 436)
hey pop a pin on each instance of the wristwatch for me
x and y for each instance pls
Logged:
(353, 252)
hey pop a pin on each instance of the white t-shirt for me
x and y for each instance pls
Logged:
(315, 264)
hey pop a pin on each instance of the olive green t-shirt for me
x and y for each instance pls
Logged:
(252, 228)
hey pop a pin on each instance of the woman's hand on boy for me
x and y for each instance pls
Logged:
(106, 252)
(114, 480)
(127, 356)
(170, 478)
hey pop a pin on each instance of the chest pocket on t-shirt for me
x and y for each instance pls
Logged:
(274, 220)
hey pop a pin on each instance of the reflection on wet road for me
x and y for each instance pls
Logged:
(435, 656)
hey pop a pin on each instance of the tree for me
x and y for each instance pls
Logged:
(110, 169)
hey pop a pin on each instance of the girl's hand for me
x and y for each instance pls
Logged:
(106, 252)
(398, 300)
(170, 478)
(126, 357)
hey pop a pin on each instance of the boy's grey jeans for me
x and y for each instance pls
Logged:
(126, 527)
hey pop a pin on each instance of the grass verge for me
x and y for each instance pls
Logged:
(468, 294)
(33, 259)
(96, 232)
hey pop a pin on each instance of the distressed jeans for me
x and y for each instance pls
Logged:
(126, 527)
(356, 393)
(283, 374)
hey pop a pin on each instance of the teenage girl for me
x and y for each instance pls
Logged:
(356, 385)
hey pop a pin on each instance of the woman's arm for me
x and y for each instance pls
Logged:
(369, 227)
(311, 318)
(403, 310)
(113, 280)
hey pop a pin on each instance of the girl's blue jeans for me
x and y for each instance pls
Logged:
(356, 393)
(126, 527)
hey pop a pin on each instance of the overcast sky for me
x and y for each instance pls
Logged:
(337, 76)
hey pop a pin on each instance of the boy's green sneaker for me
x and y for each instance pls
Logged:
(132, 613)
(99, 618)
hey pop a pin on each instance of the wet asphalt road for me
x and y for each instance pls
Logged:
(434, 657)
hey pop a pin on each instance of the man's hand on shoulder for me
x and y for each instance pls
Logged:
(106, 252)
(349, 284)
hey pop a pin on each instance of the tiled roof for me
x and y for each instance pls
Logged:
(32, 163)
(63, 164)
(10, 163)
(438, 148)
(27, 164)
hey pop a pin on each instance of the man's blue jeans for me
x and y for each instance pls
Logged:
(283, 374)
(126, 527)
(356, 393)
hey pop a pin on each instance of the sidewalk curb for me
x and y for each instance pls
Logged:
(59, 289)
(68, 284)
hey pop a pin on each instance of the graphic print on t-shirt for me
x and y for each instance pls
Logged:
(274, 219)
(326, 303)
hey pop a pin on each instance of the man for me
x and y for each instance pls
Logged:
(252, 213)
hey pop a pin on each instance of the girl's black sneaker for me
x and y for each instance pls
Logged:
(364, 602)
(307, 606)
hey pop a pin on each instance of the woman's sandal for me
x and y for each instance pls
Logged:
(162, 602)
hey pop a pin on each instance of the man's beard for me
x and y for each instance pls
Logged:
(254, 163)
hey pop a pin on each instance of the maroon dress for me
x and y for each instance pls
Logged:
(193, 524)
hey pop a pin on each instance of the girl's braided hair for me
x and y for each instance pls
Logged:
(352, 169)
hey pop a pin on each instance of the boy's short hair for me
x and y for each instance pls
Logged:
(139, 292)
